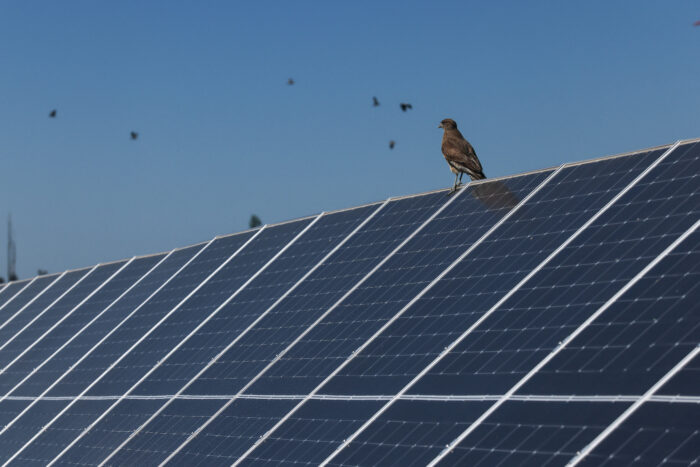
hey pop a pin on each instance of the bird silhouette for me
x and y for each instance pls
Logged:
(290, 81)
(52, 114)
(405, 106)
(392, 143)
(375, 102)
(459, 154)
(134, 135)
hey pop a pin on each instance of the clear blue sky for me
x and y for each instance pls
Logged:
(531, 85)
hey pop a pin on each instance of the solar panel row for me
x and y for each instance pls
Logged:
(539, 319)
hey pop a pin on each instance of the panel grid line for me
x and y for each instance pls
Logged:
(177, 395)
(135, 344)
(402, 310)
(63, 318)
(89, 352)
(199, 326)
(45, 310)
(630, 410)
(88, 324)
(510, 293)
(508, 395)
(9, 320)
(313, 325)
(381, 397)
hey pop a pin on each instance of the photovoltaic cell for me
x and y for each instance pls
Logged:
(126, 334)
(84, 343)
(212, 294)
(311, 433)
(534, 433)
(71, 326)
(685, 382)
(526, 327)
(314, 296)
(40, 304)
(234, 318)
(124, 418)
(183, 321)
(255, 299)
(642, 335)
(655, 434)
(165, 433)
(13, 438)
(13, 308)
(312, 359)
(482, 278)
(115, 347)
(10, 290)
(30, 335)
(230, 434)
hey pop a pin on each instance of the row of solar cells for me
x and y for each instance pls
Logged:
(500, 325)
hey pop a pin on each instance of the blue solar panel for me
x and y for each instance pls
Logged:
(23, 299)
(89, 370)
(481, 279)
(533, 433)
(10, 291)
(230, 433)
(235, 317)
(642, 335)
(655, 434)
(40, 304)
(27, 336)
(539, 319)
(43, 348)
(82, 343)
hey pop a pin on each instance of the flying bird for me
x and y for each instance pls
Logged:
(392, 143)
(134, 135)
(697, 23)
(375, 102)
(290, 81)
(459, 154)
(404, 106)
(52, 114)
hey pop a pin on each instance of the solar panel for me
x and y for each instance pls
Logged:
(540, 319)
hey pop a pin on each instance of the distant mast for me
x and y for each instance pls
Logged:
(11, 252)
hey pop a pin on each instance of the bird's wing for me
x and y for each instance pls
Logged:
(459, 151)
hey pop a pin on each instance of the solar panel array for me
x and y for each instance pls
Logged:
(541, 319)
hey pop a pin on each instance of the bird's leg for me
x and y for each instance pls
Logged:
(460, 177)
(454, 188)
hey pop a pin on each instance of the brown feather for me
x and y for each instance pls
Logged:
(460, 155)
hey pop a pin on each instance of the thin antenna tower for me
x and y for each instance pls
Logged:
(11, 252)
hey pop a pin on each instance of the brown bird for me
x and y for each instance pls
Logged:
(52, 114)
(459, 154)
(375, 102)
(405, 106)
(290, 81)
(392, 143)
(134, 135)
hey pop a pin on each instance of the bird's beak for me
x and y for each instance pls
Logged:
(440, 125)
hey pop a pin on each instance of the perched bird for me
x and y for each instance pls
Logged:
(290, 81)
(459, 154)
(375, 102)
(52, 114)
(392, 143)
(404, 106)
(134, 135)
